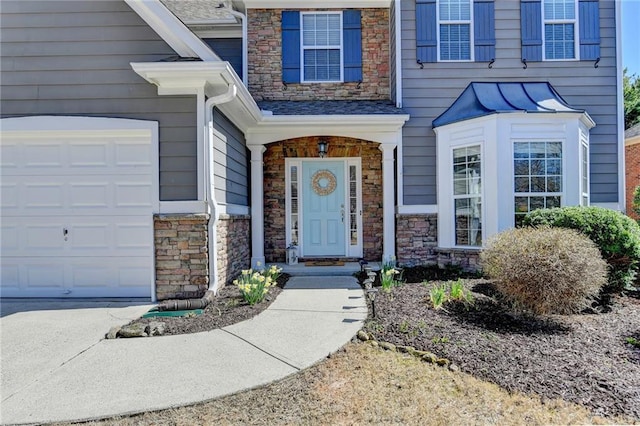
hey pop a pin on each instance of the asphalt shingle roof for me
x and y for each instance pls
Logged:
(330, 107)
(632, 132)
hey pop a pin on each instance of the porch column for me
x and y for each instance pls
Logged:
(257, 206)
(388, 201)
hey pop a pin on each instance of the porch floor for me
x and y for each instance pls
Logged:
(300, 270)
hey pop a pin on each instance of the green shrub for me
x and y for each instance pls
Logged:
(545, 270)
(616, 235)
(636, 201)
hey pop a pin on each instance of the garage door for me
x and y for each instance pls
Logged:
(78, 197)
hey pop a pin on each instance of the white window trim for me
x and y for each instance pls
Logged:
(562, 194)
(455, 197)
(340, 47)
(471, 31)
(576, 33)
(584, 149)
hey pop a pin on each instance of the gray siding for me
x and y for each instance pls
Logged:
(228, 49)
(231, 170)
(72, 58)
(392, 51)
(430, 91)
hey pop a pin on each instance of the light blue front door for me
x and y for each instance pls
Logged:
(323, 232)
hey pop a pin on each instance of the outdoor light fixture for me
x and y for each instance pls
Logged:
(322, 148)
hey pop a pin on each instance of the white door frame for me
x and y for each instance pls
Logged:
(351, 250)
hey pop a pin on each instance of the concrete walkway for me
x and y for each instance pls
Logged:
(57, 366)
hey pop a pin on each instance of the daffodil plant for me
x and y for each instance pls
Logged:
(254, 285)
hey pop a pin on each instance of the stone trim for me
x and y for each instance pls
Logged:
(182, 255)
(233, 233)
(417, 244)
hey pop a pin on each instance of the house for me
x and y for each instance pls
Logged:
(632, 165)
(155, 148)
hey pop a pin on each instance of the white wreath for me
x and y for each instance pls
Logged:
(317, 178)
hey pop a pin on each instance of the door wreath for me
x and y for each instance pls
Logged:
(323, 182)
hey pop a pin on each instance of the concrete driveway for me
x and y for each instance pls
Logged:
(39, 336)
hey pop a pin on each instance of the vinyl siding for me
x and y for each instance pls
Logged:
(392, 51)
(73, 58)
(230, 163)
(430, 91)
(228, 49)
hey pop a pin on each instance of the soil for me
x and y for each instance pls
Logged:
(582, 358)
(227, 308)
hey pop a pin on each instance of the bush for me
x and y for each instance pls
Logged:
(616, 235)
(636, 201)
(545, 270)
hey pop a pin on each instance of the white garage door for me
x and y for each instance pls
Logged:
(78, 197)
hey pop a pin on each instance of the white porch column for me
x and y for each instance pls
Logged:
(257, 206)
(388, 201)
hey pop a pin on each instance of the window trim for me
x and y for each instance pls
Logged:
(562, 194)
(455, 197)
(470, 22)
(303, 48)
(576, 32)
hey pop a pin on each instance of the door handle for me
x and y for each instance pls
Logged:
(342, 212)
(65, 233)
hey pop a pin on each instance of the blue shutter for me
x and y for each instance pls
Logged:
(426, 34)
(531, 29)
(290, 46)
(352, 37)
(589, 22)
(484, 30)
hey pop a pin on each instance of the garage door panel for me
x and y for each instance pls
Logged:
(75, 277)
(132, 153)
(132, 235)
(41, 155)
(72, 195)
(88, 155)
(46, 239)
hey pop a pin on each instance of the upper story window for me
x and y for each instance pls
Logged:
(454, 18)
(319, 47)
(322, 46)
(455, 30)
(559, 29)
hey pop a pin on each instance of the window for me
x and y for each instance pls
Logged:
(454, 30)
(467, 196)
(559, 29)
(585, 173)
(537, 176)
(322, 46)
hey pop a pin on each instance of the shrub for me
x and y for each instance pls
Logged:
(636, 201)
(616, 235)
(545, 270)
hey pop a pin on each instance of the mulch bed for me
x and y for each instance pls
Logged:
(227, 308)
(580, 358)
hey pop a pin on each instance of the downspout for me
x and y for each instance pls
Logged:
(210, 199)
(245, 43)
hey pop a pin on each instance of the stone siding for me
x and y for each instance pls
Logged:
(234, 246)
(265, 61)
(632, 165)
(339, 147)
(182, 256)
(417, 244)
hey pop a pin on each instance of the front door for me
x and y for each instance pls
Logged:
(323, 206)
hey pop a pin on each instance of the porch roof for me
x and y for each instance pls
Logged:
(371, 107)
(481, 99)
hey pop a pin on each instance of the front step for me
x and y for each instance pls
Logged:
(302, 270)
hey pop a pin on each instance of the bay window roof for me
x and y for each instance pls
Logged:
(485, 98)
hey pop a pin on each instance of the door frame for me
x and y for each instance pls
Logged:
(351, 250)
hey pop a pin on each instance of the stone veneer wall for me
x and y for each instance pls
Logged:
(417, 244)
(265, 61)
(182, 255)
(234, 246)
(274, 190)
